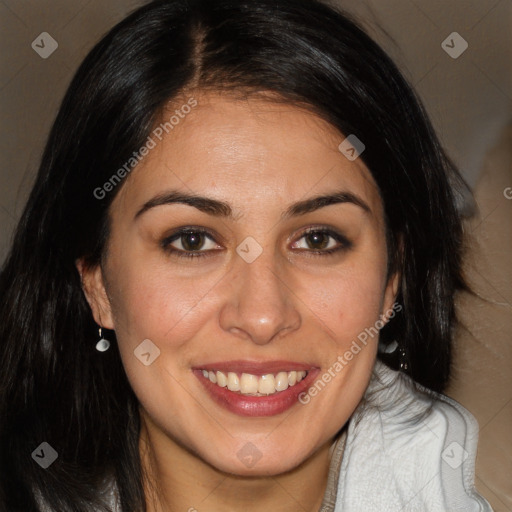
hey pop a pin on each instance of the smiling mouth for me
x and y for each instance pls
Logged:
(255, 385)
(256, 388)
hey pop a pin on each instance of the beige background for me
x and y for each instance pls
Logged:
(468, 98)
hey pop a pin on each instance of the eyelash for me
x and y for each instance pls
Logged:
(345, 244)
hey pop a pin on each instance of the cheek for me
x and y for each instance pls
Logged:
(152, 303)
(348, 301)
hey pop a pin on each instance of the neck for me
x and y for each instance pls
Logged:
(178, 480)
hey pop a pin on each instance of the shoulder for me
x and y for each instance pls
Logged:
(409, 449)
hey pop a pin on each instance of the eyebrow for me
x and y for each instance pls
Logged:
(222, 209)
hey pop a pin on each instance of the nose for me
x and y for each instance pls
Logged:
(261, 305)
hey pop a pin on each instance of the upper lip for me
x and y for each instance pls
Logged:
(254, 367)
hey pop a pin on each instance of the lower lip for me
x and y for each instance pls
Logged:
(253, 406)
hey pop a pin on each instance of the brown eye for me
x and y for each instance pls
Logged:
(322, 242)
(317, 240)
(190, 243)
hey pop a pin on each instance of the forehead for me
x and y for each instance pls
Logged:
(248, 152)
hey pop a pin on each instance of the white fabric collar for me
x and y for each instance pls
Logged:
(408, 449)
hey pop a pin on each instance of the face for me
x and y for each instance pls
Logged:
(247, 286)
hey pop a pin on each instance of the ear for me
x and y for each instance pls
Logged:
(393, 285)
(390, 294)
(93, 285)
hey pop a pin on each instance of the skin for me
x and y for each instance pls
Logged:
(289, 304)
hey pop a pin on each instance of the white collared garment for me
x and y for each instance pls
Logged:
(406, 449)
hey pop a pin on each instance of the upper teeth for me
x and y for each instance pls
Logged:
(248, 384)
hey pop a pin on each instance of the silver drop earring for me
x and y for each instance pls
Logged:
(403, 360)
(392, 348)
(103, 344)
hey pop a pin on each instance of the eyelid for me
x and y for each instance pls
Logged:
(188, 229)
(322, 228)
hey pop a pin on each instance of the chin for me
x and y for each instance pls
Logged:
(250, 461)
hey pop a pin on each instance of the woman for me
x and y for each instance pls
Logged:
(232, 286)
